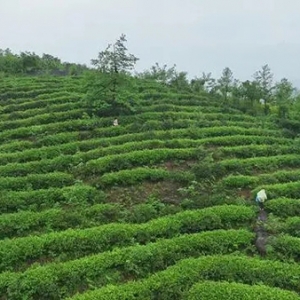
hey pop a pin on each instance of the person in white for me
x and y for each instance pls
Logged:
(116, 122)
(261, 196)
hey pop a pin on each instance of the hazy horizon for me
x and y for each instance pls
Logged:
(198, 36)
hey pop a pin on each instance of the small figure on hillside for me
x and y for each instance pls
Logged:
(261, 196)
(115, 123)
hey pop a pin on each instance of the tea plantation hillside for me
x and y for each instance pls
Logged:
(159, 207)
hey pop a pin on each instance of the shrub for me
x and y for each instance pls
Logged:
(176, 281)
(74, 243)
(56, 281)
(285, 248)
(46, 198)
(248, 165)
(283, 207)
(242, 181)
(289, 190)
(209, 290)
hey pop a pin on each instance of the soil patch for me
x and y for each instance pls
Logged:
(165, 191)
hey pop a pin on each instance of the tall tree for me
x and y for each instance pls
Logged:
(50, 63)
(10, 63)
(203, 83)
(108, 88)
(162, 74)
(31, 62)
(250, 93)
(197, 85)
(264, 78)
(225, 83)
(283, 94)
(180, 82)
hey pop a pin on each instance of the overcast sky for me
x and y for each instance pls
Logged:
(198, 35)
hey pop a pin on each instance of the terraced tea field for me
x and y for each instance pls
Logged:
(93, 211)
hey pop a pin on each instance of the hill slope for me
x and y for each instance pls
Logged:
(159, 207)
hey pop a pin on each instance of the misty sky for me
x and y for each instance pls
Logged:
(198, 35)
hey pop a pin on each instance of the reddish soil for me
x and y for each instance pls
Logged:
(165, 191)
(176, 166)
(245, 193)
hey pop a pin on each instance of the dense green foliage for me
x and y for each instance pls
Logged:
(59, 280)
(27, 63)
(209, 290)
(174, 282)
(160, 206)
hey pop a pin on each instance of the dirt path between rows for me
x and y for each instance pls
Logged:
(261, 233)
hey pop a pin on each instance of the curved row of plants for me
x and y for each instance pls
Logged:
(12, 82)
(251, 181)
(68, 101)
(96, 128)
(42, 100)
(288, 189)
(141, 174)
(283, 207)
(98, 147)
(258, 164)
(65, 144)
(249, 151)
(19, 253)
(133, 159)
(137, 158)
(285, 248)
(36, 181)
(254, 150)
(56, 281)
(72, 163)
(20, 92)
(32, 93)
(63, 97)
(18, 116)
(211, 290)
(19, 97)
(28, 126)
(176, 280)
(167, 108)
(24, 223)
(35, 200)
(95, 138)
(23, 86)
(43, 119)
(64, 126)
(121, 161)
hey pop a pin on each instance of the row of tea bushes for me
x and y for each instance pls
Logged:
(56, 281)
(75, 243)
(176, 281)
